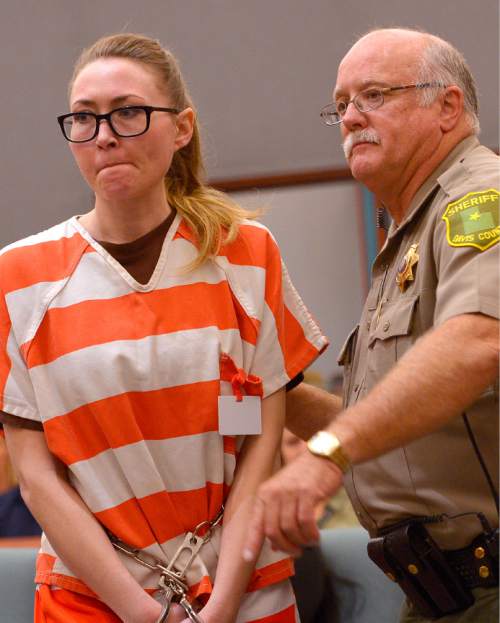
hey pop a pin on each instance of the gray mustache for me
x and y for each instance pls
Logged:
(360, 136)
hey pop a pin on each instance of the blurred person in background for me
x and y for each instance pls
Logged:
(15, 518)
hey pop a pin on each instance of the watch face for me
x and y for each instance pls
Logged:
(327, 445)
(323, 443)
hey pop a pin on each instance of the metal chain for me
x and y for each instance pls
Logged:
(172, 584)
(211, 524)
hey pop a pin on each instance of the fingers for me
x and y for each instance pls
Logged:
(255, 532)
(265, 521)
(285, 505)
(278, 516)
(281, 525)
(306, 519)
(177, 614)
(301, 527)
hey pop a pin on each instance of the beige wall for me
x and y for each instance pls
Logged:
(259, 71)
(318, 230)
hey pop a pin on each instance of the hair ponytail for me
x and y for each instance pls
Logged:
(212, 215)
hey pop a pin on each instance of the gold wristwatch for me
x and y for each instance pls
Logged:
(327, 445)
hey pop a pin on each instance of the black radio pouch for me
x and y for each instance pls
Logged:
(411, 557)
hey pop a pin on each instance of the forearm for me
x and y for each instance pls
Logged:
(233, 572)
(309, 409)
(72, 529)
(257, 461)
(434, 382)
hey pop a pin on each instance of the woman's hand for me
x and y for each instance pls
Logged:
(147, 611)
(208, 614)
(177, 614)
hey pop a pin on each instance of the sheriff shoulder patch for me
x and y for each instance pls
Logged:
(472, 220)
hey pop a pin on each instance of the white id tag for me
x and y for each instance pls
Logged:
(240, 418)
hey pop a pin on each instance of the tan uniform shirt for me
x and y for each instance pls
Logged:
(456, 272)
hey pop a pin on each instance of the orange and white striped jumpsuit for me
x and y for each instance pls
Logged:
(125, 378)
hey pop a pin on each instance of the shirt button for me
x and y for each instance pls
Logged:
(386, 326)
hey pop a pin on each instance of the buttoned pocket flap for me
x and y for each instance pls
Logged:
(395, 319)
(347, 350)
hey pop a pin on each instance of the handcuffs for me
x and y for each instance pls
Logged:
(172, 586)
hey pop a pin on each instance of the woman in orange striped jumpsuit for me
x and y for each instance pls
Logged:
(120, 330)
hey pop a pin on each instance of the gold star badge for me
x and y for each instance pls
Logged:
(405, 271)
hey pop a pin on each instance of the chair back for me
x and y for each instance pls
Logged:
(17, 588)
(363, 594)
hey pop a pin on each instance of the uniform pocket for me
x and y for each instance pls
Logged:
(394, 320)
(346, 358)
(392, 336)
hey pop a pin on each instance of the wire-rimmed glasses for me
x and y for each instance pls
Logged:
(366, 100)
(127, 121)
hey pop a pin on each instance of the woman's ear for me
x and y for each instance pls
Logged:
(452, 107)
(185, 126)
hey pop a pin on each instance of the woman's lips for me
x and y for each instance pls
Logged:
(110, 165)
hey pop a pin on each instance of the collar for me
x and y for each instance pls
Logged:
(437, 178)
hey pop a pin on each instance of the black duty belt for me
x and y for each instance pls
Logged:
(475, 564)
(437, 581)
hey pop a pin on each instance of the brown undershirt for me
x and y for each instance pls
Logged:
(139, 258)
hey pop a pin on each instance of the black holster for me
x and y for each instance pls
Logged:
(411, 557)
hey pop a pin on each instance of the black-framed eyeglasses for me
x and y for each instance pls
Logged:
(366, 100)
(80, 127)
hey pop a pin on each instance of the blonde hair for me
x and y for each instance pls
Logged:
(212, 216)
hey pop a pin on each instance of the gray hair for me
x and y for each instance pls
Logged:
(441, 63)
(444, 65)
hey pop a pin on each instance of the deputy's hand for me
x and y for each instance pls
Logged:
(284, 509)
